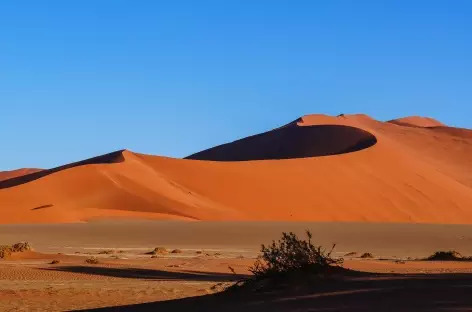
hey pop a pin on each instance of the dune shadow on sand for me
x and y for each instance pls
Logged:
(365, 292)
(149, 274)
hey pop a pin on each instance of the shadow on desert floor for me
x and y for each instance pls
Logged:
(150, 274)
(366, 292)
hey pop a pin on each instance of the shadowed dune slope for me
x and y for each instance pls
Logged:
(292, 141)
(33, 174)
(411, 174)
(5, 175)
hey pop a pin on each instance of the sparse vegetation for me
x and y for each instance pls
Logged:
(106, 252)
(231, 269)
(351, 254)
(450, 255)
(55, 262)
(158, 251)
(92, 260)
(199, 252)
(291, 254)
(367, 255)
(21, 247)
(7, 250)
(175, 251)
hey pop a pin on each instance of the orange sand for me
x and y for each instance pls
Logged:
(317, 168)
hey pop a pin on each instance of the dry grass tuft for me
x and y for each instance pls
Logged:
(351, 254)
(92, 260)
(106, 252)
(367, 255)
(158, 251)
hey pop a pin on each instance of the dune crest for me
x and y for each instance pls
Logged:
(5, 175)
(370, 171)
(26, 177)
(417, 121)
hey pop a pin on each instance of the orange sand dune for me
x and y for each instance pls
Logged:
(317, 168)
(5, 175)
(417, 121)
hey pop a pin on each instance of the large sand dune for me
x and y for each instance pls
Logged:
(317, 168)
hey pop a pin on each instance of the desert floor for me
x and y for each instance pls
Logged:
(192, 280)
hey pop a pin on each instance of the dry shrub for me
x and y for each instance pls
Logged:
(367, 255)
(6, 250)
(351, 254)
(291, 254)
(106, 252)
(175, 251)
(447, 256)
(92, 260)
(55, 262)
(21, 247)
(158, 251)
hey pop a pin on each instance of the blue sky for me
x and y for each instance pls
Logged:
(82, 78)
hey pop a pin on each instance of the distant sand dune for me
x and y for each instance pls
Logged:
(370, 171)
(417, 121)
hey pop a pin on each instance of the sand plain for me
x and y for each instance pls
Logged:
(193, 280)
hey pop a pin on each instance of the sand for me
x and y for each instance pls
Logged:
(129, 279)
(349, 168)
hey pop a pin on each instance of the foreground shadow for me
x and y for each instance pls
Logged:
(370, 292)
(148, 274)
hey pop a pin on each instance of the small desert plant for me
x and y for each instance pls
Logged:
(291, 254)
(55, 262)
(158, 251)
(21, 247)
(351, 254)
(198, 252)
(92, 260)
(106, 252)
(5, 251)
(175, 251)
(367, 255)
(446, 256)
(231, 269)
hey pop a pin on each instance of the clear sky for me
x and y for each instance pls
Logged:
(86, 77)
